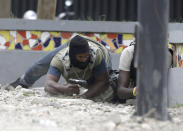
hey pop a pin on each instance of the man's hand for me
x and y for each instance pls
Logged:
(71, 89)
(80, 82)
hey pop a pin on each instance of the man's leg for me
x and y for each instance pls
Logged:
(37, 70)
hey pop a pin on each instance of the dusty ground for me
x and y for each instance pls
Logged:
(33, 110)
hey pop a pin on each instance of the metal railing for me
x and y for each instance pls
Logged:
(105, 10)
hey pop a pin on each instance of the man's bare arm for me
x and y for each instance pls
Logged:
(52, 86)
(123, 81)
(101, 84)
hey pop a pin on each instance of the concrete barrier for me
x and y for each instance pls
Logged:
(175, 87)
(14, 63)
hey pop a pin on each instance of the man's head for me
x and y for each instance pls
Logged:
(79, 52)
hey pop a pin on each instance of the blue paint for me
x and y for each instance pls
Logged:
(115, 43)
(39, 41)
(46, 43)
(35, 45)
(179, 57)
(120, 38)
(57, 41)
(18, 46)
(103, 43)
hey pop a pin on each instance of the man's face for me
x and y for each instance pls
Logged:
(83, 57)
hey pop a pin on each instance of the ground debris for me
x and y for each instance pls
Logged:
(32, 109)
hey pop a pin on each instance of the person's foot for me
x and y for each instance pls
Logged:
(16, 83)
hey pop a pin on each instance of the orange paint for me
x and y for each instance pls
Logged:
(110, 44)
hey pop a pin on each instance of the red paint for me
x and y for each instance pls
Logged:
(89, 34)
(39, 47)
(25, 42)
(180, 63)
(112, 36)
(97, 39)
(66, 35)
(34, 36)
(7, 44)
(22, 33)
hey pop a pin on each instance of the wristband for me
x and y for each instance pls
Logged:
(134, 90)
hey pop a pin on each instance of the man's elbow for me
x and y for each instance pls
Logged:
(47, 86)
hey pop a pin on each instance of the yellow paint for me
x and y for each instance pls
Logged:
(170, 46)
(12, 45)
(50, 47)
(119, 50)
(82, 34)
(64, 41)
(26, 47)
(103, 36)
(5, 34)
(55, 34)
(94, 38)
(127, 36)
(181, 50)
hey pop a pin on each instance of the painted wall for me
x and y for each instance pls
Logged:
(47, 41)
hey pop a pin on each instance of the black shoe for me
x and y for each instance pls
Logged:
(16, 83)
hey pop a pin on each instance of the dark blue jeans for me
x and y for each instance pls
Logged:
(39, 68)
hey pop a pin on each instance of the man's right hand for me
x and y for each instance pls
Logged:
(71, 89)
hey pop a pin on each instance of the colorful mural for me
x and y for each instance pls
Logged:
(179, 55)
(47, 41)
